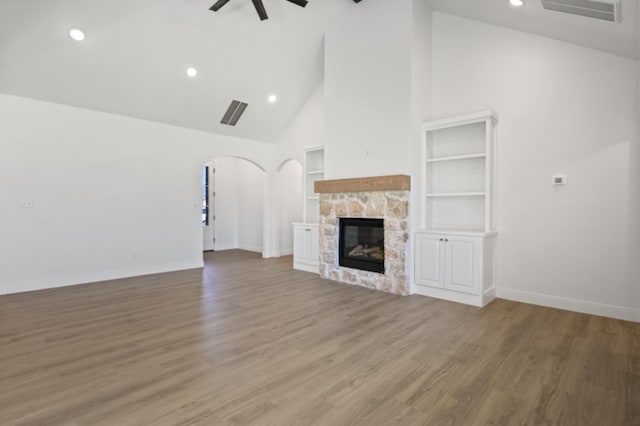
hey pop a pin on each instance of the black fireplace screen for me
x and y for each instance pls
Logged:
(361, 244)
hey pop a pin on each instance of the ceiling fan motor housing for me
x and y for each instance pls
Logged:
(262, 12)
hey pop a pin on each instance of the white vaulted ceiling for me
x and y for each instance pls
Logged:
(134, 59)
(621, 39)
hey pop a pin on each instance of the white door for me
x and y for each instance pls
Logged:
(429, 260)
(461, 266)
(208, 207)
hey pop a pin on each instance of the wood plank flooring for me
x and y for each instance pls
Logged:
(249, 341)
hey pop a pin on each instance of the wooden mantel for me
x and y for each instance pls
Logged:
(367, 184)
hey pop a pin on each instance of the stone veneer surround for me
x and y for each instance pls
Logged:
(390, 205)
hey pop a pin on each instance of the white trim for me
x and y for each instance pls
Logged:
(255, 249)
(454, 296)
(277, 253)
(93, 277)
(575, 305)
(456, 158)
(461, 120)
(307, 267)
(220, 247)
(488, 296)
(455, 194)
(462, 232)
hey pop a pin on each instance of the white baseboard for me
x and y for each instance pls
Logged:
(575, 305)
(255, 249)
(314, 269)
(454, 296)
(92, 277)
(277, 253)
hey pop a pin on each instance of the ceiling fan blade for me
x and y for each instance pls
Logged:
(301, 3)
(262, 13)
(218, 5)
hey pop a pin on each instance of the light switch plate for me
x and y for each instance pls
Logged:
(559, 180)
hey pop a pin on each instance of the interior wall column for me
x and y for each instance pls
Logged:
(271, 236)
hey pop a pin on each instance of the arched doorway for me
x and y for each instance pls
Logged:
(235, 205)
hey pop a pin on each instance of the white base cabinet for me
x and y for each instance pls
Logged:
(455, 266)
(306, 247)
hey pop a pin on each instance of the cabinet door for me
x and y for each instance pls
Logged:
(306, 245)
(429, 260)
(462, 270)
(299, 246)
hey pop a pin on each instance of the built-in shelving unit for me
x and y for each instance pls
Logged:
(454, 250)
(458, 173)
(306, 248)
(313, 171)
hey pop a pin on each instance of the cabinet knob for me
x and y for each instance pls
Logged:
(308, 229)
(441, 239)
(446, 240)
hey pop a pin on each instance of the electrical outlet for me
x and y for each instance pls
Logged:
(26, 203)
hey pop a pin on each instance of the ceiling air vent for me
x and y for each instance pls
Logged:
(234, 112)
(608, 11)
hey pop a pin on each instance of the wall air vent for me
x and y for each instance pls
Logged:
(234, 112)
(608, 11)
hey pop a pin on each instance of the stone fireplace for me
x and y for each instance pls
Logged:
(383, 197)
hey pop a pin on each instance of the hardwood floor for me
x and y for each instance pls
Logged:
(249, 341)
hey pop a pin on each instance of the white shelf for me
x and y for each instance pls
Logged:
(313, 172)
(455, 194)
(456, 158)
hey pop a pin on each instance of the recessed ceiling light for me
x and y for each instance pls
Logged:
(272, 98)
(76, 34)
(516, 3)
(191, 72)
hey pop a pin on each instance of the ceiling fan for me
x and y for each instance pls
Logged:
(262, 13)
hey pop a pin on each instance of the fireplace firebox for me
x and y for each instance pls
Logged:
(361, 244)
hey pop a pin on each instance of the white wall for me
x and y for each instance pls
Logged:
(305, 130)
(226, 203)
(421, 98)
(290, 202)
(368, 73)
(564, 109)
(113, 196)
(634, 212)
(251, 191)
